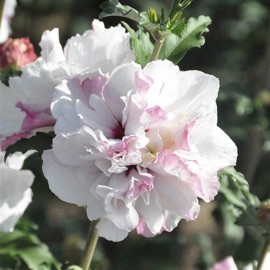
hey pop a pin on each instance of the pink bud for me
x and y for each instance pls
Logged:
(16, 52)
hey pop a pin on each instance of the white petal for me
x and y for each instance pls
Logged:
(16, 160)
(134, 119)
(13, 184)
(71, 184)
(151, 213)
(51, 49)
(176, 196)
(188, 91)
(95, 208)
(99, 48)
(171, 221)
(15, 195)
(99, 117)
(77, 148)
(109, 231)
(122, 80)
(218, 149)
(9, 216)
(63, 105)
(123, 215)
(11, 117)
(34, 90)
(8, 13)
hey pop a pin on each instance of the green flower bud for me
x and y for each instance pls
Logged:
(153, 15)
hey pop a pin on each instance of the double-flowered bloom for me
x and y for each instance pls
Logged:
(136, 146)
(32, 92)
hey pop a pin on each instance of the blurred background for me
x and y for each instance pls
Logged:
(237, 51)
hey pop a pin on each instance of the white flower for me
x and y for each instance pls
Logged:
(137, 147)
(8, 13)
(97, 50)
(15, 192)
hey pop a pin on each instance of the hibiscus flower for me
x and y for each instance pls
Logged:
(97, 50)
(138, 147)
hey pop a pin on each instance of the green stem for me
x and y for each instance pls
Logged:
(90, 246)
(174, 8)
(158, 45)
(2, 4)
(266, 248)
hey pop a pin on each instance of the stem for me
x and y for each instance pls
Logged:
(90, 245)
(2, 4)
(158, 45)
(266, 247)
(174, 8)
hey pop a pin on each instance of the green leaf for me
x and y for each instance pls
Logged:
(8, 72)
(141, 45)
(177, 25)
(176, 45)
(248, 217)
(179, 6)
(232, 197)
(41, 141)
(9, 262)
(26, 225)
(115, 8)
(235, 189)
(20, 246)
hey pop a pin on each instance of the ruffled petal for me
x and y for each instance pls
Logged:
(71, 184)
(109, 231)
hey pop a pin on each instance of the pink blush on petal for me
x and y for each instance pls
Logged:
(143, 82)
(94, 85)
(5, 143)
(143, 230)
(35, 120)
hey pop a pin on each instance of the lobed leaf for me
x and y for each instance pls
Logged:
(24, 247)
(177, 45)
(115, 8)
(141, 45)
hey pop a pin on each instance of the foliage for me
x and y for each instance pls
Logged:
(176, 46)
(179, 36)
(21, 248)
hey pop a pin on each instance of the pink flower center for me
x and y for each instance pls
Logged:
(118, 132)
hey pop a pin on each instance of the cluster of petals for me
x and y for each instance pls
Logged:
(137, 147)
(8, 13)
(97, 50)
(16, 53)
(15, 191)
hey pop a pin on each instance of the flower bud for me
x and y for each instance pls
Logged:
(16, 53)
(153, 15)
